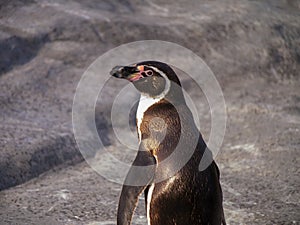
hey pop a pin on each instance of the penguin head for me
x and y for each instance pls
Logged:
(151, 78)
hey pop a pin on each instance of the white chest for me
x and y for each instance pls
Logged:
(145, 103)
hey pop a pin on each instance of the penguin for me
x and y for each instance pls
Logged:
(184, 195)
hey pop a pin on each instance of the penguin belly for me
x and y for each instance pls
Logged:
(185, 199)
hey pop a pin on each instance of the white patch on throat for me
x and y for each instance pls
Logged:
(147, 101)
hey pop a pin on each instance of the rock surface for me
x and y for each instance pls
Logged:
(253, 48)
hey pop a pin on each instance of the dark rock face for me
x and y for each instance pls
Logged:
(253, 48)
(18, 51)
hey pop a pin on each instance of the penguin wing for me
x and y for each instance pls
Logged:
(140, 175)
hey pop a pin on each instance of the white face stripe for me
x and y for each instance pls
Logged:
(147, 101)
(168, 82)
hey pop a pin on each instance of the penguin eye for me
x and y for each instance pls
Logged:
(147, 73)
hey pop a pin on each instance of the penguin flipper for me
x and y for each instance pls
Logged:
(129, 195)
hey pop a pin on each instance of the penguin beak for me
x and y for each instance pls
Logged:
(131, 73)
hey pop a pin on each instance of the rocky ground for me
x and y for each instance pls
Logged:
(45, 46)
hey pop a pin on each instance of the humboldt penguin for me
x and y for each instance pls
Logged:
(176, 191)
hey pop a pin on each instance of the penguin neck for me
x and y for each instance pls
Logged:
(146, 101)
(175, 97)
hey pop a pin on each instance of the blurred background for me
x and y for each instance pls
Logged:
(252, 47)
